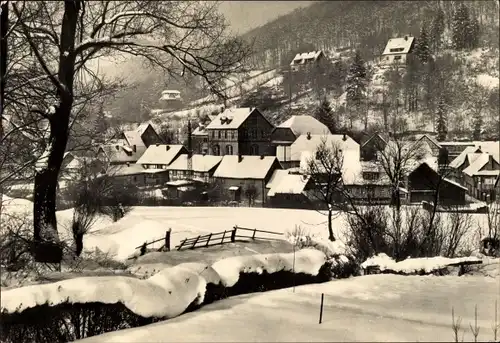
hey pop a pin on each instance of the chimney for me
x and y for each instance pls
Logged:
(117, 147)
(157, 144)
(308, 136)
(344, 137)
(167, 147)
(134, 148)
(128, 164)
(261, 157)
(240, 158)
(406, 37)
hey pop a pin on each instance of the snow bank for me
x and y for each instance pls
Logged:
(411, 265)
(307, 261)
(166, 294)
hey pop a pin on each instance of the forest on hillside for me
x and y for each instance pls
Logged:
(363, 25)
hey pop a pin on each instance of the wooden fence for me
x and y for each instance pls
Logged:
(228, 236)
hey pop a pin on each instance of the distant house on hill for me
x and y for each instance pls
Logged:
(396, 51)
(239, 131)
(171, 99)
(287, 132)
(307, 60)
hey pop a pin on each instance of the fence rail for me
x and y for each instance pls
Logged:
(212, 239)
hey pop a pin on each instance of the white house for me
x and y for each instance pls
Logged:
(396, 51)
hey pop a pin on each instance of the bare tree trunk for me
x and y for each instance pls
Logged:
(331, 236)
(44, 203)
(4, 27)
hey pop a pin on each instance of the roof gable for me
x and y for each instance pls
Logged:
(302, 124)
(161, 154)
(401, 45)
(375, 136)
(479, 161)
(245, 167)
(117, 153)
(231, 118)
(463, 157)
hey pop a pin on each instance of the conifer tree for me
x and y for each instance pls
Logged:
(325, 115)
(437, 30)
(461, 28)
(478, 127)
(356, 81)
(422, 49)
(441, 124)
(473, 34)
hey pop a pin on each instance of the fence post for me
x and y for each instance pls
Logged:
(167, 239)
(321, 308)
(223, 236)
(195, 241)
(253, 236)
(182, 243)
(233, 235)
(209, 237)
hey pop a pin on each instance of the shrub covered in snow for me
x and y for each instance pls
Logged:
(424, 265)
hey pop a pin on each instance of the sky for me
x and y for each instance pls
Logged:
(242, 16)
(246, 15)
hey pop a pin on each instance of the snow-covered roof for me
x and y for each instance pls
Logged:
(173, 91)
(133, 138)
(303, 124)
(312, 142)
(276, 177)
(378, 135)
(231, 118)
(117, 153)
(143, 127)
(464, 155)
(429, 138)
(400, 45)
(200, 131)
(305, 57)
(249, 167)
(289, 184)
(351, 166)
(200, 163)
(480, 160)
(124, 170)
(160, 154)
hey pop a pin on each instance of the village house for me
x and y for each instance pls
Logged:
(144, 135)
(127, 174)
(307, 60)
(287, 132)
(171, 99)
(462, 161)
(119, 154)
(73, 167)
(480, 176)
(239, 131)
(396, 51)
(424, 183)
(155, 161)
(456, 148)
(372, 147)
(199, 140)
(287, 190)
(309, 144)
(426, 143)
(241, 178)
(190, 176)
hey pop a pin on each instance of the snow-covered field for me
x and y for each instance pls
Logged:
(367, 308)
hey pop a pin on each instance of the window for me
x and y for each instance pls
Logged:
(225, 134)
(396, 49)
(135, 178)
(229, 149)
(244, 133)
(233, 134)
(216, 150)
(372, 176)
(254, 149)
(397, 58)
(262, 134)
(158, 166)
(220, 134)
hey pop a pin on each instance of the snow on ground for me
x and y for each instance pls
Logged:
(177, 287)
(487, 81)
(368, 308)
(149, 223)
(411, 265)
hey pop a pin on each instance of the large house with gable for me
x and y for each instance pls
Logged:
(306, 60)
(239, 131)
(397, 50)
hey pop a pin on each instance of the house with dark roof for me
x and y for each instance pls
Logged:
(156, 159)
(241, 178)
(424, 183)
(239, 131)
(427, 143)
(396, 51)
(287, 132)
(143, 135)
(370, 149)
